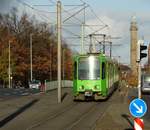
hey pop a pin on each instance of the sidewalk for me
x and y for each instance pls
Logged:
(117, 116)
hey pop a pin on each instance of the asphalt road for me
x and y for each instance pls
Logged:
(42, 112)
(6, 93)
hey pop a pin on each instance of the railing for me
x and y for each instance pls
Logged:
(53, 84)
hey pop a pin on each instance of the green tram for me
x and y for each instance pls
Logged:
(95, 75)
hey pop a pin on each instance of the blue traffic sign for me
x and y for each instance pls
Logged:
(138, 107)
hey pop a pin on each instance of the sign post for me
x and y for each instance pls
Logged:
(139, 80)
(138, 124)
(140, 47)
(138, 109)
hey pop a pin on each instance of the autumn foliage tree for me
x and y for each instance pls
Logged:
(44, 49)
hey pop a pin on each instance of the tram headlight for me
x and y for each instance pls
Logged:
(81, 87)
(96, 87)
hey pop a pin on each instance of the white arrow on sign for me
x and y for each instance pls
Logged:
(140, 109)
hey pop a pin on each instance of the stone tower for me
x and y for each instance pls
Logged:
(133, 47)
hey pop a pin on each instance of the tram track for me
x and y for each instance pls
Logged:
(77, 121)
(52, 116)
(72, 119)
(58, 115)
(68, 115)
(95, 112)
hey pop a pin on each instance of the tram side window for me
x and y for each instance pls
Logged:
(75, 70)
(103, 70)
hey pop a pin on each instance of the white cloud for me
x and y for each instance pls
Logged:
(116, 27)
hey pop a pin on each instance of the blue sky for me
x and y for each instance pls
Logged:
(122, 5)
(115, 13)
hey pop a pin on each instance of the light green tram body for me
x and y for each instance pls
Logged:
(99, 88)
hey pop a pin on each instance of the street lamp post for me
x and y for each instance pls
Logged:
(9, 68)
(51, 61)
(59, 49)
(11, 78)
(63, 67)
(31, 56)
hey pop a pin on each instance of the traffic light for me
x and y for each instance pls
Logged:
(141, 48)
(143, 54)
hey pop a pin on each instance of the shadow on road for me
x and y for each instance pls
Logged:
(127, 118)
(63, 96)
(16, 113)
(129, 129)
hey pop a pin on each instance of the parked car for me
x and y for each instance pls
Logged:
(35, 84)
(145, 83)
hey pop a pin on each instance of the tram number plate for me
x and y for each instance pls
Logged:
(88, 93)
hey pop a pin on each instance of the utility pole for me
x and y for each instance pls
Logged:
(59, 49)
(110, 42)
(90, 47)
(110, 49)
(63, 67)
(82, 38)
(104, 36)
(31, 56)
(82, 32)
(9, 66)
(50, 78)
